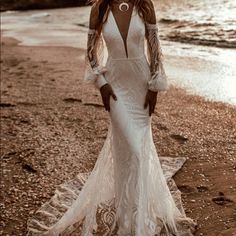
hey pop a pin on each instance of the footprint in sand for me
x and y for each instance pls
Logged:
(93, 104)
(186, 189)
(202, 188)
(161, 126)
(7, 105)
(72, 100)
(12, 62)
(222, 199)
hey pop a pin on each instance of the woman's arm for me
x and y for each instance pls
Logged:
(94, 71)
(158, 81)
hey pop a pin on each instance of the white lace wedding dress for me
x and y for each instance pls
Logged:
(130, 190)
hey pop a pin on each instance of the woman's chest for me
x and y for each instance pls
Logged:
(115, 31)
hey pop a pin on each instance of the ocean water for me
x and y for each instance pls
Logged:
(201, 22)
(205, 22)
(198, 39)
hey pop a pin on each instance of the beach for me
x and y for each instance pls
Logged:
(54, 125)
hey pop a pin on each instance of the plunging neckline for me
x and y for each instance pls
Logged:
(127, 34)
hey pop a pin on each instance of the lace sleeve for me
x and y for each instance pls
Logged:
(158, 81)
(94, 71)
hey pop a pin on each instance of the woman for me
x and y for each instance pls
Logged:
(128, 192)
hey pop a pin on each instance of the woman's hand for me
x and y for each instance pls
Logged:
(151, 100)
(106, 91)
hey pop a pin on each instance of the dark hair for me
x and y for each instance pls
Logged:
(144, 9)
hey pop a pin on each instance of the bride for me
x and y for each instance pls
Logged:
(130, 190)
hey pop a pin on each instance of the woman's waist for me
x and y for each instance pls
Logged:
(127, 62)
(125, 58)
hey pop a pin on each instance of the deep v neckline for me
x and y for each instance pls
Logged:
(118, 29)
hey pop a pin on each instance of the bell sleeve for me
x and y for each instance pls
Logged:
(158, 80)
(94, 70)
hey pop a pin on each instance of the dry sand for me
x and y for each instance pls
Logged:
(53, 127)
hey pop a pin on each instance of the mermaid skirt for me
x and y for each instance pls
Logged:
(131, 190)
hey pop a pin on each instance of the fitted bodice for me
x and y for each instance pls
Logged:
(134, 41)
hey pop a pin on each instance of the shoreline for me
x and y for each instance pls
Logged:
(206, 30)
(54, 125)
(201, 70)
(12, 41)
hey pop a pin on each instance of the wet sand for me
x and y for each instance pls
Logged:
(54, 125)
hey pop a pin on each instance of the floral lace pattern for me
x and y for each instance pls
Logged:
(105, 214)
(158, 81)
(94, 70)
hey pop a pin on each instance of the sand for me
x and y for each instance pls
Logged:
(54, 125)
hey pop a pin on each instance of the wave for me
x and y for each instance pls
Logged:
(183, 23)
(201, 33)
(40, 15)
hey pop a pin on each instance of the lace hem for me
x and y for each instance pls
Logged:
(51, 212)
(99, 217)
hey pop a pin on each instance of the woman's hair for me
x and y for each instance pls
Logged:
(144, 7)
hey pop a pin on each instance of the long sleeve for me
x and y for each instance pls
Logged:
(158, 80)
(94, 72)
